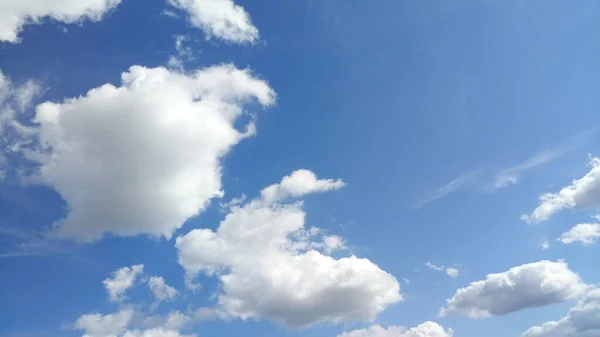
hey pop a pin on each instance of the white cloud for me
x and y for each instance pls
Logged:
(585, 233)
(526, 286)
(144, 157)
(583, 320)
(156, 332)
(123, 279)
(427, 329)
(267, 267)
(582, 193)
(161, 290)
(14, 14)
(450, 271)
(184, 53)
(111, 325)
(545, 244)
(452, 186)
(219, 18)
(512, 174)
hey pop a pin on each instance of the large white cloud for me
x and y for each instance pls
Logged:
(585, 233)
(14, 14)
(121, 280)
(583, 320)
(582, 193)
(526, 286)
(269, 265)
(219, 18)
(427, 329)
(144, 157)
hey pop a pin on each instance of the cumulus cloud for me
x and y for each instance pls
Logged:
(14, 14)
(268, 267)
(526, 286)
(582, 193)
(111, 325)
(161, 290)
(222, 19)
(427, 329)
(144, 157)
(450, 271)
(583, 320)
(585, 233)
(157, 332)
(121, 280)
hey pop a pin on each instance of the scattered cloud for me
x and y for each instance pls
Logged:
(122, 279)
(183, 54)
(14, 14)
(452, 186)
(512, 174)
(582, 193)
(268, 265)
(144, 157)
(585, 233)
(222, 19)
(111, 325)
(161, 290)
(450, 271)
(427, 329)
(581, 321)
(526, 286)
(545, 244)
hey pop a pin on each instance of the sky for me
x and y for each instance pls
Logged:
(178, 168)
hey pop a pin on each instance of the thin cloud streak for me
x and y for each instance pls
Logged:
(452, 186)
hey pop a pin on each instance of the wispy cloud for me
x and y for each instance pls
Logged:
(513, 174)
(452, 186)
(29, 244)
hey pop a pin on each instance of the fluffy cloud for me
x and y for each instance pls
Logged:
(111, 325)
(583, 320)
(527, 286)
(427, 329)
(123, 279)
(268, 266)
(585, 233)
(144, 157)
(161, 290)
(14, 14)
(583, 193)
(157, 332)
(219, 18)
(450, 271)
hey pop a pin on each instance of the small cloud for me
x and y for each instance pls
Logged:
(545, 244)
(450, 271)
(452, 186)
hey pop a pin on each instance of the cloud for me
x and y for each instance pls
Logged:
(545, 244)
(582, 193)
(268, 267)
(14, 101)
(14, 14)
(156, 332)
(512, 174)
(111, 325)
(123, 279)
(144, 157)
(526, 286)
(583, 320)
(222, 19)
(427, 329)
(450, 271)
(183, 55)
(161, 290)
(452, 186)
(585, 233)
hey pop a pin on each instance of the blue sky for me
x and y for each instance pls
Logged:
(446, 122)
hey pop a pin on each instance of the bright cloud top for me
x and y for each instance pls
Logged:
(526, 286)
(270, 266)
(111, 325)
(144, 157)
(14, 14)
(222, 19)
(581, 321)
(427, 329)
(583, 193)
(585, 233)
(122, 279)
